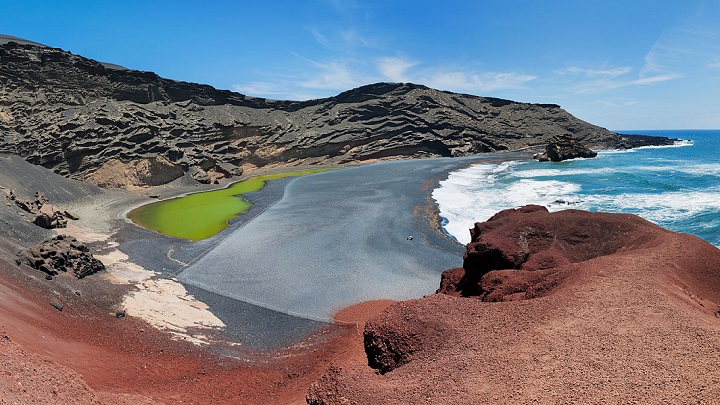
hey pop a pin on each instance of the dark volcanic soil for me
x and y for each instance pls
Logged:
(630, 315)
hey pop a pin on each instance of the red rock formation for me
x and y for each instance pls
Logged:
(621, 311)
(514, 254)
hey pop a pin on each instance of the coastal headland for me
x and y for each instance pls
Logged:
(570, 306)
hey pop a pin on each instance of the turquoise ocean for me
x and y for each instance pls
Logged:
(676, 187)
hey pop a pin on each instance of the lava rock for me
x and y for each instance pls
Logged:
(61, 253)
(512, 255)
(199, 174)
(94, 120)
(564, 147)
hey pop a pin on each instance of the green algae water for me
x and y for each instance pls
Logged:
(202, 215)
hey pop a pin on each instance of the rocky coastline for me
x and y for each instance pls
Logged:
(550, 307)
(547, 307)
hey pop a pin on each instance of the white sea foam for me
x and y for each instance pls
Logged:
(678, 144)
(470, 195)
(560, 172)
(478, 192)
(663, 208)
(703, 169)
(602, 152)
(707, 169)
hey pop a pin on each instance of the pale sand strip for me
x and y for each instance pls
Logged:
(163, 303)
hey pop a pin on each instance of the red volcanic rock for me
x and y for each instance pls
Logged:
(513, 254)
(621, 311)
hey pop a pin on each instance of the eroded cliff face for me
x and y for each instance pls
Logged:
(75, 116)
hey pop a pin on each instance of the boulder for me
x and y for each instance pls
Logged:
(229, 169)
(43, 220)
(60, 254)
(49, 217)
(564, 147)
(26, 206)
(199, 174)
(71, 215)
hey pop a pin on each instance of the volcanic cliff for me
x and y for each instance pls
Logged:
(561, 307)
(118, 127)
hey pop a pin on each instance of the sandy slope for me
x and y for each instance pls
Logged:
(636, 326)
(83, 354)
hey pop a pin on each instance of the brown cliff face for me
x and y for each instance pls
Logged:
(75, 116)
(593, 308)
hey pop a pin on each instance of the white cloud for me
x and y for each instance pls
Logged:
(255, 88)
(274, 90)
(618, 103)
(600, 72)
(475, 82)
(694, 42)
(319, 37)
(315, 79)
(654, 79)
(352, 38)
(394, 68)
(599, 86)
(335, 75)
(399, 69)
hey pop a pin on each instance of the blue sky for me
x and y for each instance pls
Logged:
(630, 64)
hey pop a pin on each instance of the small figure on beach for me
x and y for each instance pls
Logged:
(409, 237)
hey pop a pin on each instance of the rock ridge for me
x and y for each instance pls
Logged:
(82, 118)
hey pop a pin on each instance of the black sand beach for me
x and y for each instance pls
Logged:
(308, 246)
(329, 240)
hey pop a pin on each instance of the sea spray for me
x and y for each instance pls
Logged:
(677, 187)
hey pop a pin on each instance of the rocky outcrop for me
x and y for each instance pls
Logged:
(629, 141)
(75, 116)
(152, 171)
(564, 147)
(586, 307)
(514, 254)
(63, 254)
(45, 215)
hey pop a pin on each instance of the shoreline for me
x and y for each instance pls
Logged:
(306, 347)
(289, 324)
(364, 215)
(143, 258)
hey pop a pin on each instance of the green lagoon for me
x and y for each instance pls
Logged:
(201, 215)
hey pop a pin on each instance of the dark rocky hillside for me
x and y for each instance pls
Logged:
(118, 127)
